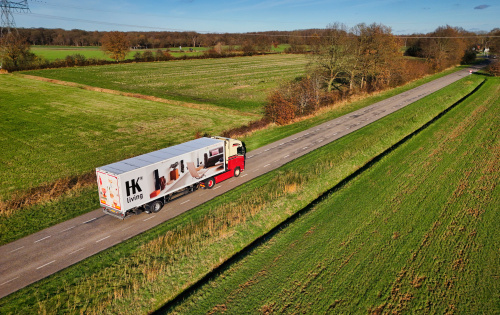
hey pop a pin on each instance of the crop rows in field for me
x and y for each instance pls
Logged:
(240, 83)
(416, 233)
(148, 270)
(51, 131)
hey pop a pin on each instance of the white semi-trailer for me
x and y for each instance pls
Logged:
(148, 181)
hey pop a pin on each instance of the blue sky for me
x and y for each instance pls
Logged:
(404, 17)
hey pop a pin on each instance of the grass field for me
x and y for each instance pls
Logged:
(50, 131)
(52, 53)
(143, 273)
(240, 83)
(415, 233)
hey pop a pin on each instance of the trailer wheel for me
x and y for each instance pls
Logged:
(156, 206)
(210, 183)
(237, 171)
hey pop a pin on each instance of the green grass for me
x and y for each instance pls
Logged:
(49, 131)
(240, 83)
(32, 219)
(51, 53)
(144, 272)
(415, 233)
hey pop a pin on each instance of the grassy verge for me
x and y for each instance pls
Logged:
(145, 272)
(415, 233)
(236, 83)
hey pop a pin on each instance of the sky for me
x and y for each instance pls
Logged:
(241, 16)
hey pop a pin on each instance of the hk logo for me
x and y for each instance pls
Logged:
(134, 186)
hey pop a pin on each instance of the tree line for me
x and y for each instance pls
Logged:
(154, 40)
(298, 40)
(366, 58)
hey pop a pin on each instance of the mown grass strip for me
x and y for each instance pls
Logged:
(415, 233)
(147, 271)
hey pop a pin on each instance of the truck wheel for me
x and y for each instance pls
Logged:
(210, 183)
(237, 171)
(156, 206)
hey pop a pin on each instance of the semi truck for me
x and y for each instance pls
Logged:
(145, 183)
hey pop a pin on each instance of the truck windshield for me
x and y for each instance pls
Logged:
(241, 150)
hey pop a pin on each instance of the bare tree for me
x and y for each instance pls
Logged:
(331, 55)
(445, 49)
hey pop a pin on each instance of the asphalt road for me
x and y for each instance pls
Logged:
(39, 255)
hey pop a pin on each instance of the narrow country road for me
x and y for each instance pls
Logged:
(39, 255)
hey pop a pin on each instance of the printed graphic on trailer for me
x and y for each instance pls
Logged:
(109, 194)
(154, 181)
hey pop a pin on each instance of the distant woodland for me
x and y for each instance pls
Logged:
(260, 40)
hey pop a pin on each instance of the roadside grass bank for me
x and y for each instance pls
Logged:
(25, 221)
(240, 83)
(415, 233)
(143, 273)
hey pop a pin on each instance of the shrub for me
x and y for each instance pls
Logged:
(148, 56)
(280, 108)
(248, 49)
(469, 57)
(301, 97)
(494, 69)
(252, 126)
(138, 56)
(296, 49)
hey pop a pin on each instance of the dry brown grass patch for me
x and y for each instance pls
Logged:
(45, 193)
